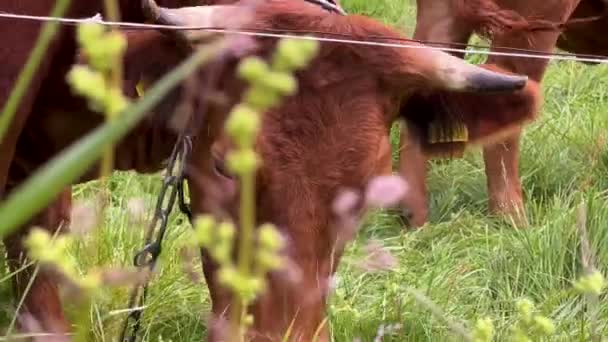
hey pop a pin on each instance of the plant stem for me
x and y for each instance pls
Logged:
(25, 77)
(115, 77)
(247, 218)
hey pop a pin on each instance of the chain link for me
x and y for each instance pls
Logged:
(172, 189)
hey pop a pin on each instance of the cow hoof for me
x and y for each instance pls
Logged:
(515, 215)
(411, 221)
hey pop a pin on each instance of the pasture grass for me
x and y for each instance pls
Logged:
(469, 264)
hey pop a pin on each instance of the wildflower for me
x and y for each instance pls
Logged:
(591, 284)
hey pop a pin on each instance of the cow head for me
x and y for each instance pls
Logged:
(332, 134)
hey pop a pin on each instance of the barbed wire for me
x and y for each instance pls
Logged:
(331, 37)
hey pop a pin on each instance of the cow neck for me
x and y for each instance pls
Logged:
(328, 5)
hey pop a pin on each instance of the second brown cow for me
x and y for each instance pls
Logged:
(332, 134)
(514, 24)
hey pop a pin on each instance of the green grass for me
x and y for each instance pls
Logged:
(470, 265)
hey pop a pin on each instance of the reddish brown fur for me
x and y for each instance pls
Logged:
(332, 134)
(42, 300)
(516, 24)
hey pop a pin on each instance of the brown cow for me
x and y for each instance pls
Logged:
(454, 21)
(42, 301)
(332, 134)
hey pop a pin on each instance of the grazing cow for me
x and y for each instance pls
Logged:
(332, 134)
(42, 301)
(509, 22)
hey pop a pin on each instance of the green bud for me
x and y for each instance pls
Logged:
(262, 98)
(519, 335)
(593, 284)
(294, 54)
(88, 83)
(90, 34)
(116, 102)
(526, 308)
(253, 69)
(242, 125)
(255, 286)
(269, 261)
(37, 242)
(281, 82)
(203, 230)
(226, 232)
(222, 252)
(270, 238)
(228, 276)
(115, 44)
(483, 331)
(242, 162)
(544, 325)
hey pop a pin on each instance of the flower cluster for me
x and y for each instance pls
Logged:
(102, 49)
(243, 270)
(531, 326)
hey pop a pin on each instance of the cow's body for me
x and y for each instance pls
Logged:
(452, 21)
(48, 86)
(332, 134)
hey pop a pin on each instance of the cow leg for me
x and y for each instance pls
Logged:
(42, 302)
(502, 158)
(502, 172)
(435, 22)
(413, 165)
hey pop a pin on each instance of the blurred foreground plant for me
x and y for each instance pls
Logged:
(257, 253)
(101, 81)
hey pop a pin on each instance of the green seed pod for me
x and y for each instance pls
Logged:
(88, 83)
(253, 69)
(242, 125)
(262, 98)
(281, 82)
(294, 54)
(115, 44)
(526, 308)
(222, 252)
(116, 102)
(226, 232)
(269, 237)
(483, 331)
(590, 284)
(228, 276)
(90, 34)
(519, 335)
(203, 230)
(255, 285)
(269, 261)
(544, 325)
(243, 161)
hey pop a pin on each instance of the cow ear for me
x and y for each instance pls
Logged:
(446, 121)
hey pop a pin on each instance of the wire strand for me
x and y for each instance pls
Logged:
(330, 38)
